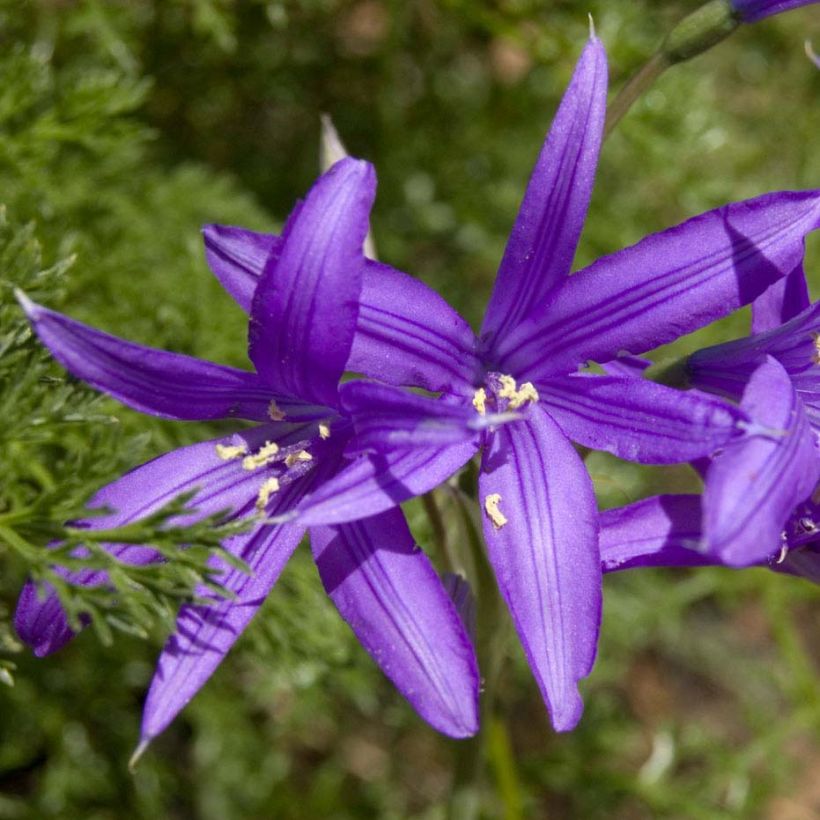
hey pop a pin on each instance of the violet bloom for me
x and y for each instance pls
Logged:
(667, 531)
(760, 503)
(752, 486)
(750, 11)
(303, 318)
(540, 518)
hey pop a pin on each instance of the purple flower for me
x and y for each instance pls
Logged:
(667, 531)
(760, 503)
(303, 315)
(750, 11)
(540, 518)
(753, 485)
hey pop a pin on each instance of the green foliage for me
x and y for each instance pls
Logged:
(123, 128)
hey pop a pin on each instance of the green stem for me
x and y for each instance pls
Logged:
(697, 32)
(491, 644)
(639, 83)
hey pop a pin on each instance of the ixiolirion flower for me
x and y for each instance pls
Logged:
(667, 531)
(752, 486)
(760, 502)
(540, 518)
(303, 318)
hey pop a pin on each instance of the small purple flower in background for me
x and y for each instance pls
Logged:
(752, 486)
(303, 318)
(750, 11)
(667, 531)
(760, 503)
(540, 517)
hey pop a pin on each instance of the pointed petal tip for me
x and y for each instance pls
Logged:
(462, 727)
(592, 36)
(568, 715)
(28, 306)
(138, 753)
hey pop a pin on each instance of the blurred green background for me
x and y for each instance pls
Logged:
(124, 126)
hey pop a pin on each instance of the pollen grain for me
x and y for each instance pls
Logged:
(264, 455)
(268, 488)
(274, 412)
(227, 452)
(495, 515)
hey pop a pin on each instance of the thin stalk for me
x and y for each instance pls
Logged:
(697, 32)
(491, 641)
(637, 85)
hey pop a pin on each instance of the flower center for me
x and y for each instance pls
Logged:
(501, 393)
(279, 465)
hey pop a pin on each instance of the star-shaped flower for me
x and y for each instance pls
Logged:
(304, 311)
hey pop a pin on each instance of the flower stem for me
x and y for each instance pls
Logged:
(491, 645)
(696, 33)
(634, 88)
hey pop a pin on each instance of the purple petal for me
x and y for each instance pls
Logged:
(388, 592)
(304, 309)
(458, 588)
(662, 531)
(750, 11)
(542, 244)
(726, 368)
(406, 334)
(541, 532)
(631, 367)
(220, 486)
(389, 416)
(639, 420)
(782, 301)
(205, 632)
(237, 258)
(374, 483)
(667, 285)
(753, 485)
(163, 384)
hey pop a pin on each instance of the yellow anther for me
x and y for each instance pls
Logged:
(274, 412)
(480, 401)
(324, 431)
(268, 488)
(517, 396)
(815, 356)
(495, 515)
(294, 458)
(229, 451)
(261, 457)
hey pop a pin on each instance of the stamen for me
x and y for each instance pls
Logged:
(274, 412)
(230, 451)
(268, 488)
(784, 551)
(324, 431)
(480, 401)
(517, 396)
(815, 356)
(293, 458)
(495, 515)
(263, 456)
